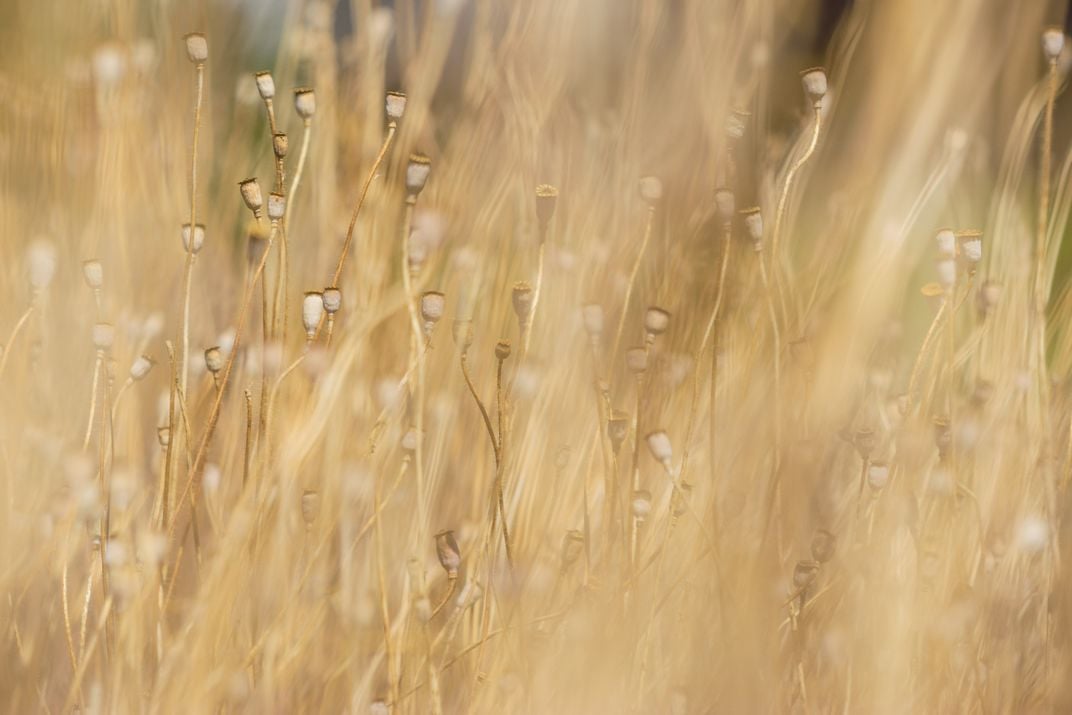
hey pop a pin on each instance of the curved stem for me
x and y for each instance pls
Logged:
(632, 281)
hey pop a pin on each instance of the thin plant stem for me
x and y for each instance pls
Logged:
(632, 280)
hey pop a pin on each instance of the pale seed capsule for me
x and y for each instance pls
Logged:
(523, 298)
(636, 359)
(163, 436)
(433, 304)
(753, 226)
(450, 556)
(661, 449)
(878, 475)
(410, 440)
(679, 500)
(312, 312)
(947, 243)
(641, 504)
(814, 81)
(823, 546)
(617, 431)
(140, 367)
(1053, 42)
(214, 359)
(572, 547)
(265, 85)
(502, 349)
(103, 336)
(280, 144)
(725, 204)
(946, 269)
(417, 172)
(332, 300)
(305, 103)
(198, 238)
(93, 272)
(592, 314)
(41, 264)
(462, 333)
(546, 199)
(656, 321)
(251, 194)
(310, 506)
(804, 574)
(396, 105)
(277, 206)
(651, 190)
(196, 48)
(987, 297)
(971, 245)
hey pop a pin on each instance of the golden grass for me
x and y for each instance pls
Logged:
(799, 470)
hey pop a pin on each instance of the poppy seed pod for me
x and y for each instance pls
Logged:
(41, 264)
(450, 556)
(753, 225)
(679, 499)
(546, 198)
(947, 243)
(163, 436)
(310, 506)
(617, 431)
(946, 270)
(656, 321)
(332, 300)
(651, 190)
(280, 144)
(417, 171)
(103, 336)
(93, 272)
(804, 573)
(196, 48)
(502, 349)
(636, 359)
(265, 85)
(1053, 42)
(277, 206)
(641, 504)
(878, 475)
(987, 297)
(251, 194)
(864, 441)
(396, 105)
(433, 303)
(305, 103)
(592, 314)
(814, 81)
(410, 440)
(198, 238)
(522, 299)
(462, 333)
(140, 367)
(312, 312)
(214, 359)
(661, 449)
(725, 204)
(572, 547)
(823, 546)
(971, 245)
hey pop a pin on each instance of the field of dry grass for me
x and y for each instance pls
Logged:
(628, 362)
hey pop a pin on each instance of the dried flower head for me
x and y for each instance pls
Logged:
(878, 475)
(546, 198)
(617, 430)
(725, 204)
(265, 85)
(971, 245)
(310, 506)
(214, 359)
(661, 449)
(502, 349)
(280, 144)
(823, 546)
(163, 436)
(433, 304)
(277, 206)
(804, 573)
(753, 226)
(305, 102)
(41, 264)
(332, 300)
(140, 367)
(522, 297)
(312, 312)
(103, 336)
(814, 81)
(636, 359)
(417, 171)
(196, 48)
(450, 556)
(679, 499)
(641, 504)
(198, 238)
(946, 271)
(396, 105)
(1053, 42)
(410, 440)
(656, 320)
(651, 190)
(251, 194)
(93, 272)
(987, 297)
(947, 243)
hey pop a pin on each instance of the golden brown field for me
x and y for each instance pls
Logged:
(628, 362)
